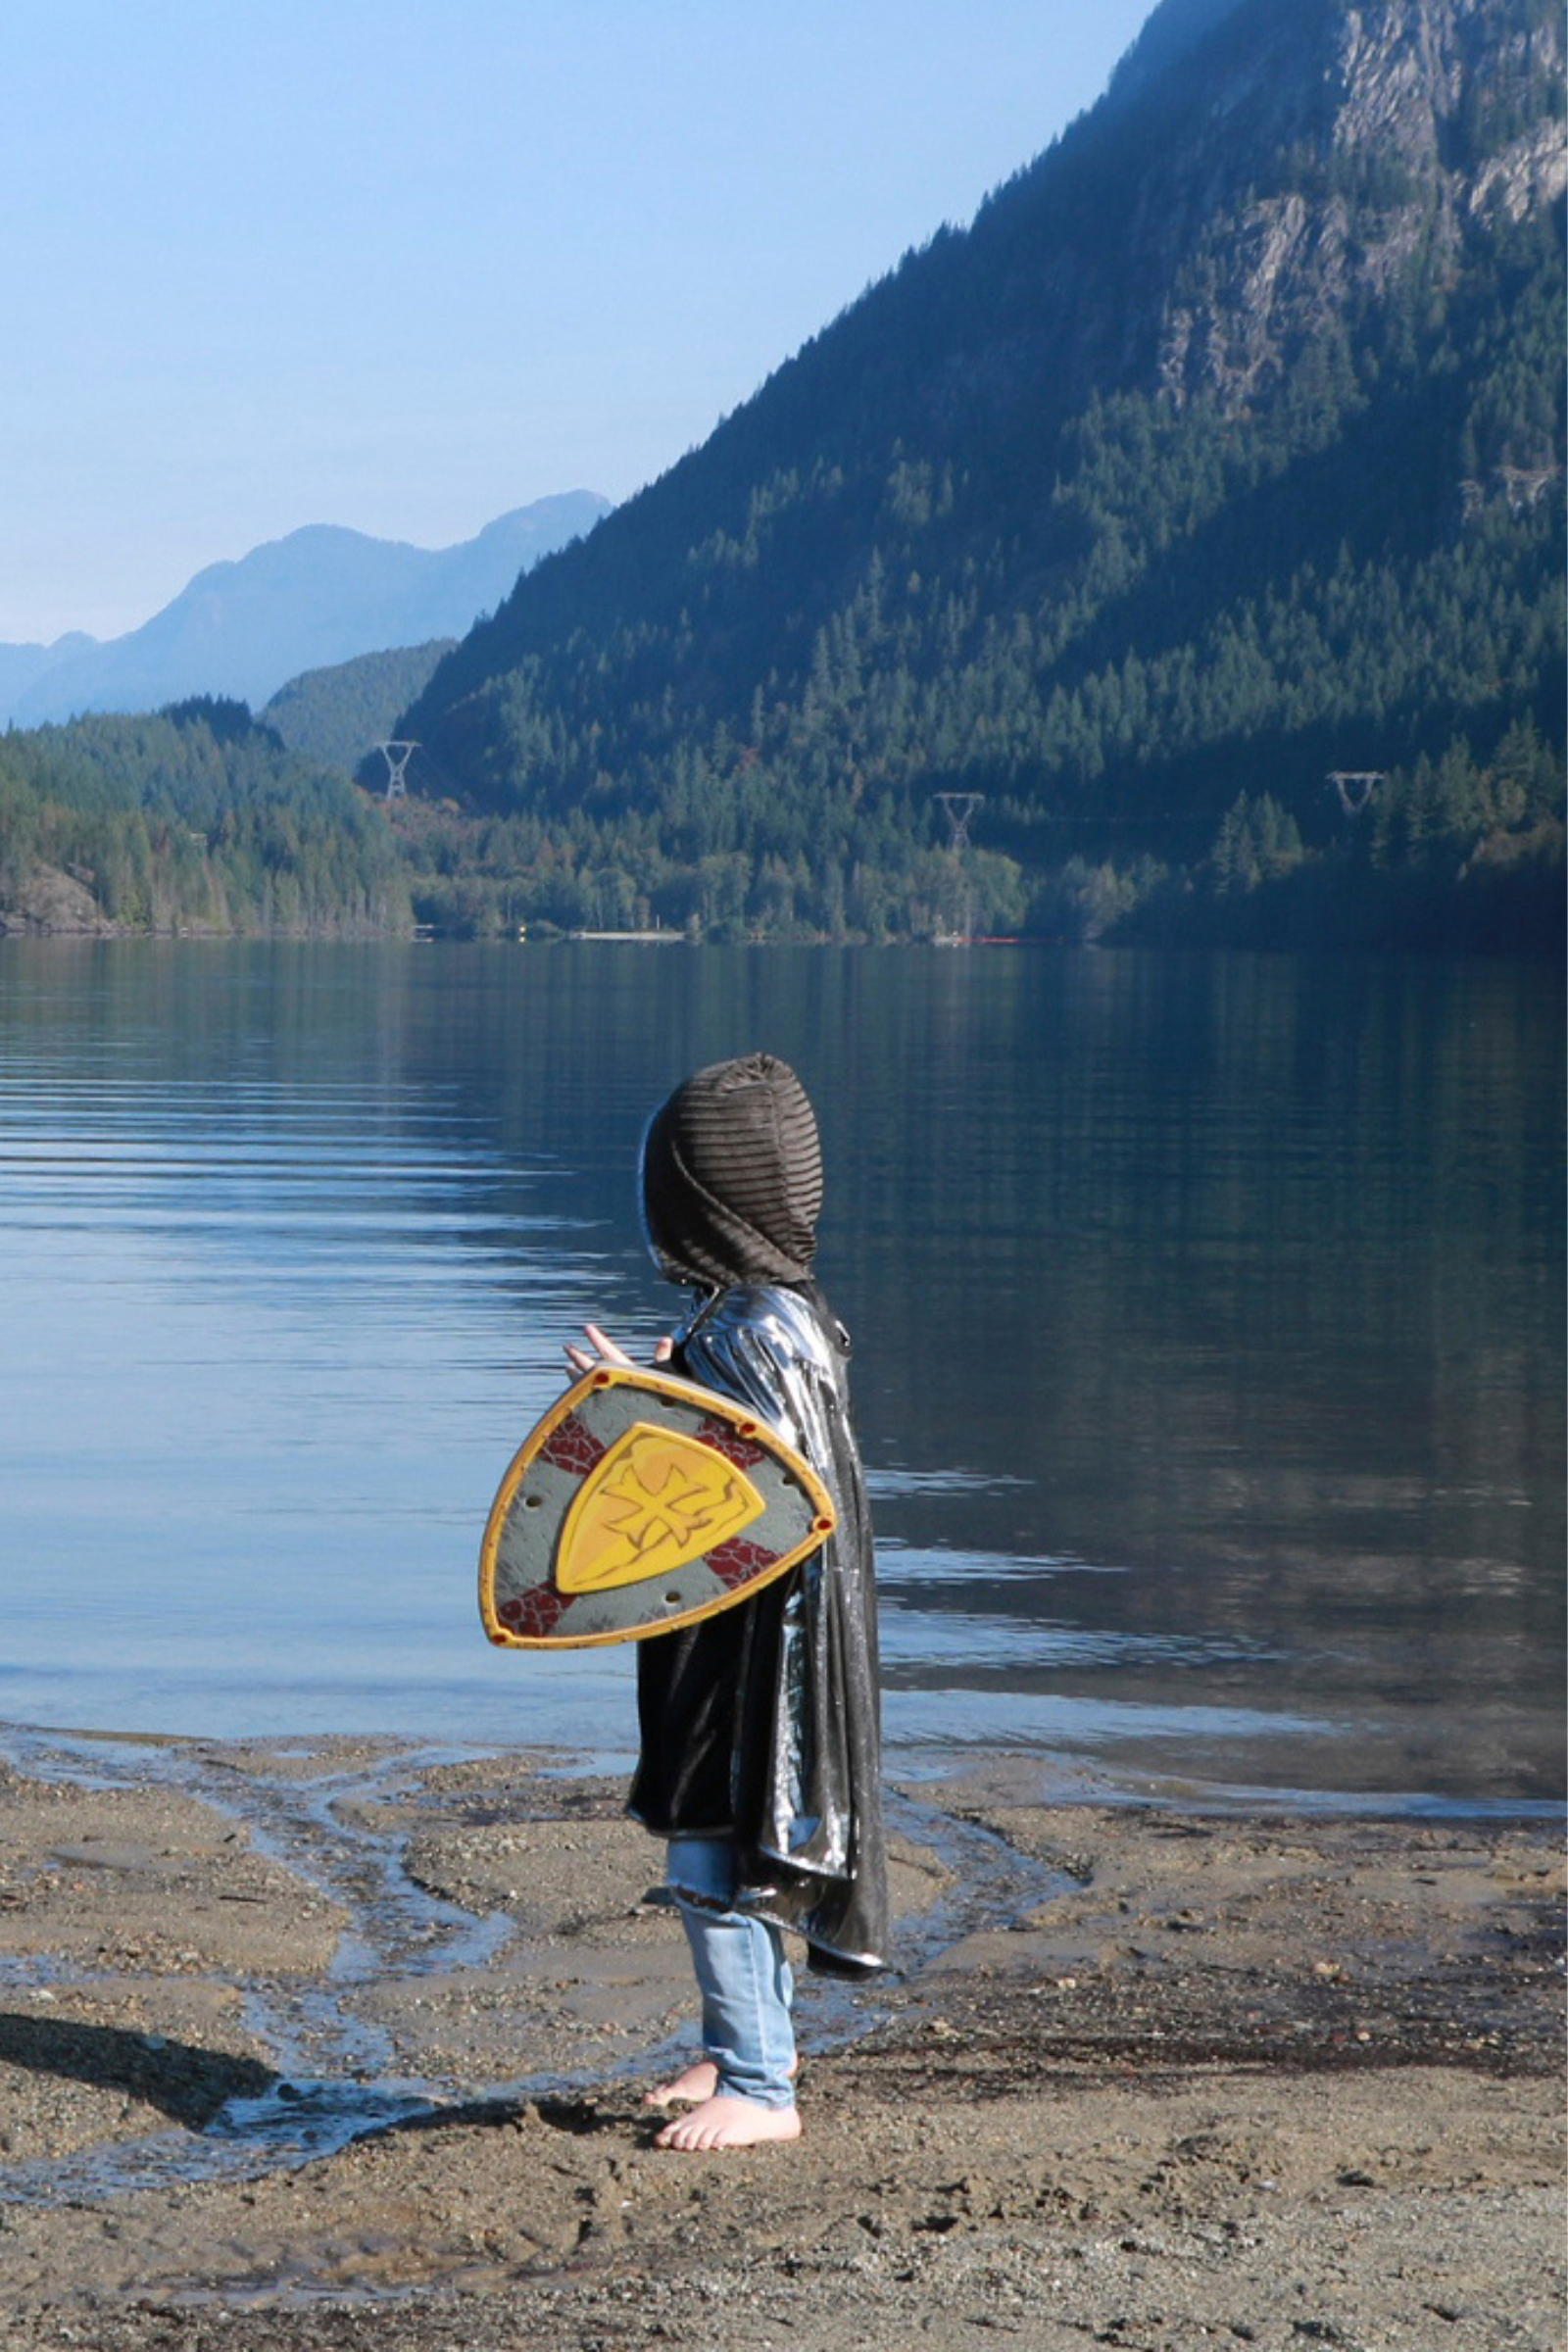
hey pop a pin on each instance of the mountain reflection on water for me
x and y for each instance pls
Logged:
(1209, 1347)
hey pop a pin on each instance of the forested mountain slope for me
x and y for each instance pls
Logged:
(342, 711)
(195, 820)
(1223, 451)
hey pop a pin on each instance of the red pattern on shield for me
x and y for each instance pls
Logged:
(734, 1562)
(726, 1440)
(534, 1615)
(572, 1447)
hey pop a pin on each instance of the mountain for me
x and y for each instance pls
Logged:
(338, 713)
(1220, 456)
(318, 597)
(22, 665)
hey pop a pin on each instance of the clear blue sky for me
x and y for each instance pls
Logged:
(406, 264)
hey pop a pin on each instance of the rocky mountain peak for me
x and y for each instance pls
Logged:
(1402, 120)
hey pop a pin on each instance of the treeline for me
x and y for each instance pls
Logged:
(1454, 851)
(474, 876)
(1451, 853)
(195, 820)
(198, 822)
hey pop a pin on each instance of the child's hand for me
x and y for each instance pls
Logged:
(603, 1350)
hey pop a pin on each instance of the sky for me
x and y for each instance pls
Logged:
(405, 265)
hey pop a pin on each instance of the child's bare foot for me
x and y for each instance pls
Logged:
(723, 2123)
(690, 2089)
(697, 2083)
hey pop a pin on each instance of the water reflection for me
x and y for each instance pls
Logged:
(1209, 1347)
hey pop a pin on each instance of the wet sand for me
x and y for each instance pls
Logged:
(1150, 2076)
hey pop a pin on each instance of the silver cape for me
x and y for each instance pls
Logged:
(816, 1857)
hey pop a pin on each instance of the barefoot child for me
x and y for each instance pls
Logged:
(759, 1753)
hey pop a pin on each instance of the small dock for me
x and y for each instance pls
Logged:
(634, 938)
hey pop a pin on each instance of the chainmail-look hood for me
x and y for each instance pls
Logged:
(732, 1176)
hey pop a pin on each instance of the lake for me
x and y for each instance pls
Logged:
(1209, 1319)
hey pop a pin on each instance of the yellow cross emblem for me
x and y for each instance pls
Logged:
(657, 1500)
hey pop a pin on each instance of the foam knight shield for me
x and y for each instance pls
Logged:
(641, 1502)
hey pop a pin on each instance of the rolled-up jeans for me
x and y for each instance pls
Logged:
(742, 1976)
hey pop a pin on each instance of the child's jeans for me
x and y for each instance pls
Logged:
(742, 1975)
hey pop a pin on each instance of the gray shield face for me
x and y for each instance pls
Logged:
(641, 1502)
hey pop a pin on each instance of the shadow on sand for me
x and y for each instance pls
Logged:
(188, 2083)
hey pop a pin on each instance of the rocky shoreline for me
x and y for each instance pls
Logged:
(341, 2043)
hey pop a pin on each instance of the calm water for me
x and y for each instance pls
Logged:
(1208, 1317)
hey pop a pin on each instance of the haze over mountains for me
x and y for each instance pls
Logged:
(319, 596)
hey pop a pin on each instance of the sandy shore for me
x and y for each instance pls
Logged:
(1150, 2076)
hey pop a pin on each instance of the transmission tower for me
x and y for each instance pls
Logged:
(1355, 786)
(959, 808)
(397, 756)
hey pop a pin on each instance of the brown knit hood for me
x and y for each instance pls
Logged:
(732, 1176)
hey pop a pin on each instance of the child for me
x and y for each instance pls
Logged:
(759, 1758)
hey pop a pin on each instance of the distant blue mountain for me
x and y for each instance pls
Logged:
(22, 665)
(321, 596)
